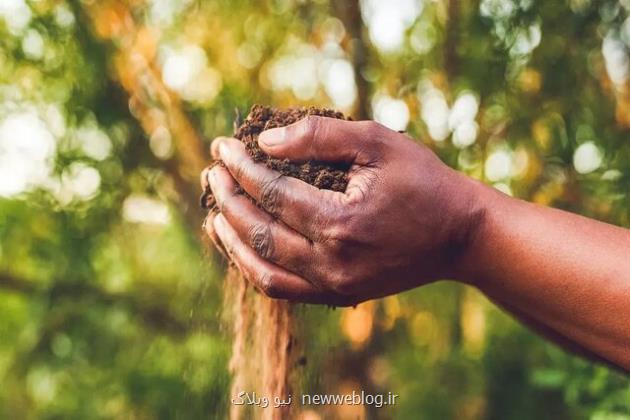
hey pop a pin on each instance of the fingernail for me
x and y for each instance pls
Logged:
(214, 147)
(273, 137)
(224, 150)
(208, 222)
(203, 178)
(210, 176)
(219, 224)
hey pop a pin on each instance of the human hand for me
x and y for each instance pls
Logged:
(405, 219)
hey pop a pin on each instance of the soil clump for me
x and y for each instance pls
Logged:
(329, 176)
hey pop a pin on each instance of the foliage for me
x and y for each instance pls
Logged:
(109, 303)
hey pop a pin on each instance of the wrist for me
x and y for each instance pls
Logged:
(484, 202)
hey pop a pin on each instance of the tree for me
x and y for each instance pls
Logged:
(110, 303)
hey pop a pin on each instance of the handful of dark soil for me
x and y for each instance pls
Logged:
(331, 176)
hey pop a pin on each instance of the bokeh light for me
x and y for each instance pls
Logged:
(587, 158)
(388, 21)
(27, 149)
(392, 113)
(110, 304)
(16, 14)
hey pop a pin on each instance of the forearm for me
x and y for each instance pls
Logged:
(405, 219)
(563, 271)
(549, 333)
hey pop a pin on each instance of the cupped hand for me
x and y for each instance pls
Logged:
(405, 219)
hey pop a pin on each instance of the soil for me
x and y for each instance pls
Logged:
(330, 176)
(264, 329)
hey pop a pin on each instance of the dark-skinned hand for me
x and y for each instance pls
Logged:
(405, 218)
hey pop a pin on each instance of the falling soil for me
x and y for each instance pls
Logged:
(265, 351)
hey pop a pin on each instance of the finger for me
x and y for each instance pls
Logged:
(299, 205)
(270, 279)
(324, 139)
(270, 239)
(214, 147)
(203, 178)
(208, 226)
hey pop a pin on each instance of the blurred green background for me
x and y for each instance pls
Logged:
(110, 301)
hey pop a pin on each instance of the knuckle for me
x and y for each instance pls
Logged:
(334, 245)
(224, 204)
(312, 125)
(344, 229)
(239, 171)
(261, 240)
(371, 125)
(373, 128)
(376, 137)
(312, 130)
(342, 284)
(227, 203)
(268, 285)
(322, 220)
(334, 241)
(270, 194)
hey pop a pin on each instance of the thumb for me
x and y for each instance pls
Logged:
(321, 139)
